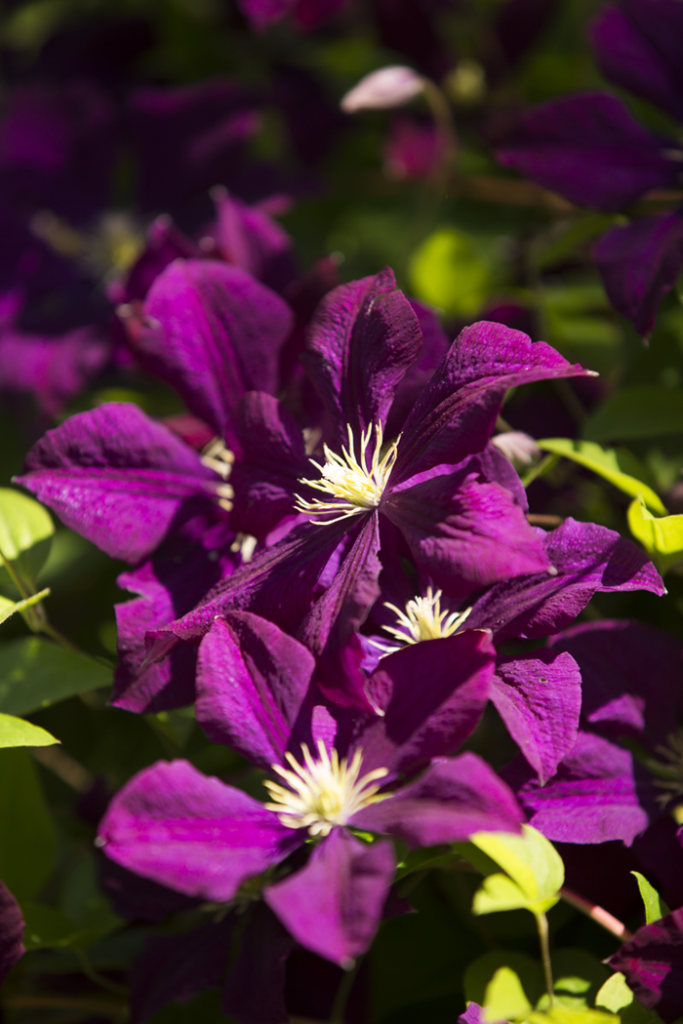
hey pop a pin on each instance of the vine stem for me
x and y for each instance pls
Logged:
(542, 925)
(343, 992)
(597, 914)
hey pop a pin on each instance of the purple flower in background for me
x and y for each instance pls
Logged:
(413, 149)
(335, 774)
(11, 932)
(307, 14)
(652, 962)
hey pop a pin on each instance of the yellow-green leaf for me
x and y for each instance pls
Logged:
(447, 271)
(25, 533)
(9, 608)
(505, 998)
(655, 908)
(534, 867)
(662, 538)
(620, 468)
(15, 732)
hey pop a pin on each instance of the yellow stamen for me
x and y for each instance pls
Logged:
(423, 620)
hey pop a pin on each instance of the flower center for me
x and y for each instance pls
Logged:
(324, 793)
(356, 485)
(423, 620)
(669, 771)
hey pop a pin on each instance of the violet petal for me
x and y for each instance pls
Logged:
(652, 962)
(253, 992)
(11, 932)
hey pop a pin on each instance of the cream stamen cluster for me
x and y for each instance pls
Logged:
(423, 620)
(356, 485)
(324, 793)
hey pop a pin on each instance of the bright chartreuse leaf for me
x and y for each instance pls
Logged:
(577, 977)
(534, 872)
(505, 998)
(25, 533)
(35, 672)
(558, 1013)
(661, 537)
(617, 997)
(480, 972)
(15, 732)
(655, 907)
(641, 411)
(447, 271)
(27, 838)
(620, 468)
(9, 608)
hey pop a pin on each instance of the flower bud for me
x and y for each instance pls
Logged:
(389, 87)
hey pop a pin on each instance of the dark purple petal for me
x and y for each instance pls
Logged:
(435, 344)
(472, 1015)
(249, 238)
(432, 695)
(118, 478)
(329, 629)
(590, 149)
(271, 462)
(454, 798)
(599, 793)
(252, 680)
(538, 696)
(262, 13)
(465, 534)
(214, 332)
(638, 46)
(137, 898)
(653, 964)
(455, 414)
(619, 661)
(165, 243)
(191, 832)
(174, 968)
(413, 149)
(11, 932)
(640, 263)
(588, 559)
(254, 990)
(361, 342)
(333, 906)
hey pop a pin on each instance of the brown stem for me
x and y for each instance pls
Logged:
(597, 914)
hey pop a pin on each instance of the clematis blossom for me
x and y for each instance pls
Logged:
(336, 776)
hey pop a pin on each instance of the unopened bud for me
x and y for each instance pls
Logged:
(388, 87)
(519, 448)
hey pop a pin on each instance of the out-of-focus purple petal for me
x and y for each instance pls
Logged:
(590, 149)
(408, 27)
(333, 906)
(191, 832)
(262, 13)
(308, 14)
(435, 344)
(413, 149)
(254, 989)
(432, 695)
(174, 968)
(362, 340)
(454, 798)
(455, 414)
(271, 462)
(165, 243)
(249, 238)
(472, 1015)
(465, 534)
(640, 263)
(638, 46)
(518, 25)
(588, 559)
(252, 680)
(538, 696)
(599, 793)
(215, 333)
(11, 932)
(652, 962)
(118, 478)
(137, 898)
(52, 369)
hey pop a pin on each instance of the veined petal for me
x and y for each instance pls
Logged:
(652, 962)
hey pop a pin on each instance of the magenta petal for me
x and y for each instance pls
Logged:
(538, 696)
(640, 263)
(454, 798)
(262, 13)
(11, 932)
(432, 695)
(455, 414)
(362, 340)
(249, 238)
(118, 478)
(214, 333)
(254, 990)
(333, 906)
(653, 964)
(590, 149)
(465, 534)
(638, 46)
(597, 795)
(191, 832)
(252, 680)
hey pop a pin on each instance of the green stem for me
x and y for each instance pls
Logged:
(597, 914)
(343, 992)
(95, 976)
(542, 925)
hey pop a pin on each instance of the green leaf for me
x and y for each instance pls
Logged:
(448, 272)
(27, 838)
(25, 533)
(480, 972)
(35, 672)
(618, 467)
(535, 870)
(560, 1014)
(421, 859)
(9, 608)
(655, 907)
(662, 538)
(47, 926)
(641, 411)
(15, 732)
(578, 976)
(504, 998)
(617, 997)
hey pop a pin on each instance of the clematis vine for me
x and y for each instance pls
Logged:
(338, 780)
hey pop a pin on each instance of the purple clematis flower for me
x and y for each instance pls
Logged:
(652, 962)
(589, 148)
(11, 932)
(336, 775)
(463, 529)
